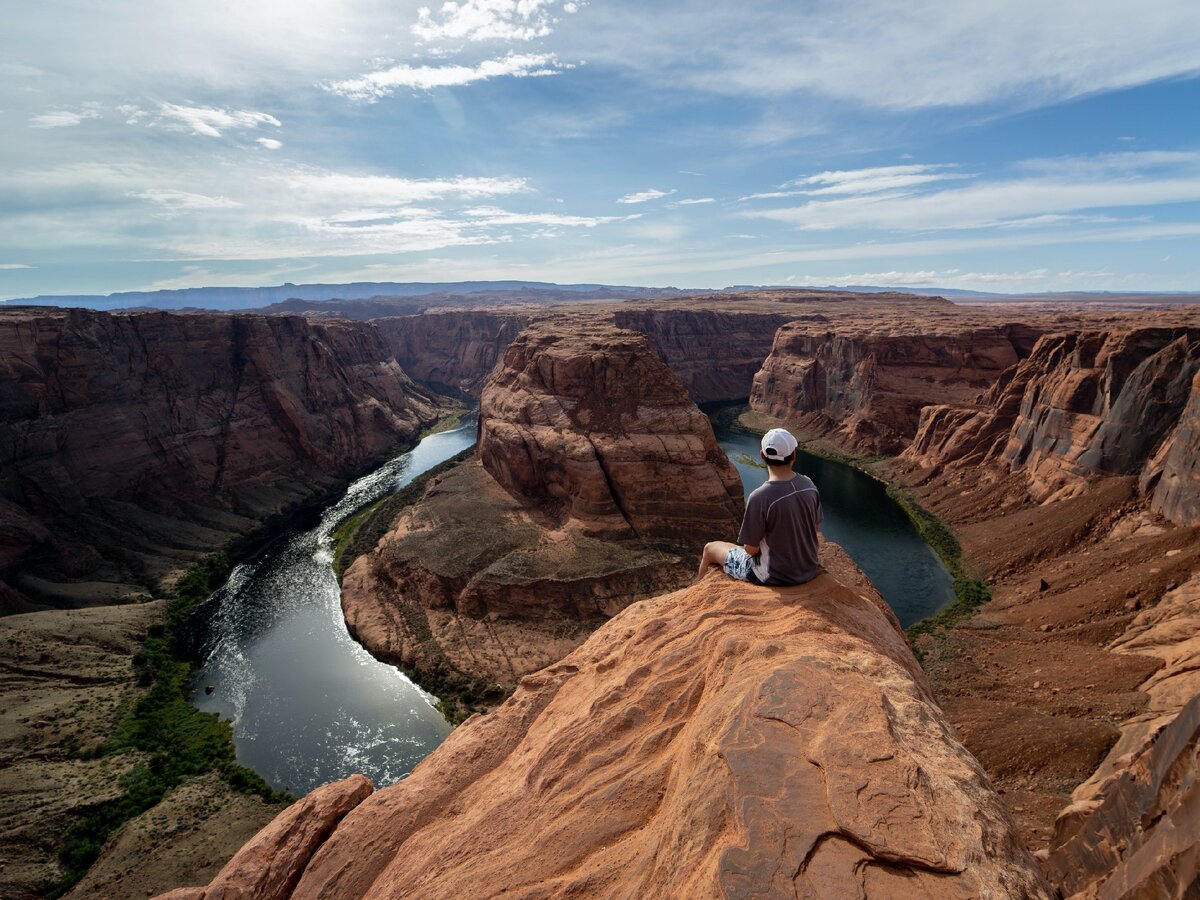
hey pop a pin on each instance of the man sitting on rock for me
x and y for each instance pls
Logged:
(779, 531)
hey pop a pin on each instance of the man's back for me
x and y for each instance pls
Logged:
(782, 518)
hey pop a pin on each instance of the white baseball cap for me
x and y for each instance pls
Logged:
(778, 444)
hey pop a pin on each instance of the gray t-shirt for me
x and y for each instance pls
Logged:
(782, 518)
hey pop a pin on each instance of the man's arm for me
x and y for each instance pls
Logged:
(753, 526)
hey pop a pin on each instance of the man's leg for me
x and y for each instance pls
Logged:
(714, 556)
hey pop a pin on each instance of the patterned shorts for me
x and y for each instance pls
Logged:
(737, 565)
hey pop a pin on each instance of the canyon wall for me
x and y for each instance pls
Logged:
(1120, 401)
(458, 349)
(864, 384)
(131, 444)
(714, 354)
(721, 741)
(1131, 829)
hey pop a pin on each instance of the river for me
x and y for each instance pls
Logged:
(309, 705)
(871, 527)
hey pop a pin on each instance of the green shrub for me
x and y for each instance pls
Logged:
(181, 740)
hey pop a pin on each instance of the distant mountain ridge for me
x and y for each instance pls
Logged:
(510, 291)
(245, 298)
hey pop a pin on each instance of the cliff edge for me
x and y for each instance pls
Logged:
(724, 740)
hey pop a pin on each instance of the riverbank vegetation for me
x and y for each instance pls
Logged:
(177, 740)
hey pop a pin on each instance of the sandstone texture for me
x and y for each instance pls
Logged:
(471, 585)
(1176, 466)
(458, 349)
(1117, 402)
(866, 384)
(714, 353)
(130, 444)
(721, 741)
(1133, 828)
(587, 420)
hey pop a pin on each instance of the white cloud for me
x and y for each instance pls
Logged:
(695, 201)
(63, 118)
(487, 20)
(872, 180)
(178, 200)
(1058, 192)
(644, 196)
(489, 215)
(209, 121)
(14, 266)
(376, 85)
(882, 54)
(269, 143)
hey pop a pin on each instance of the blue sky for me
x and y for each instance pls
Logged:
(1008, 146)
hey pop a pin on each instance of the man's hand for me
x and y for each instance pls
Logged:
(750, 551)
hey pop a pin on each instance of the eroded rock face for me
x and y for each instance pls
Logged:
(721, 741)
(865, 385)
(585, 419)
(143, 440)
(1176, 466)
(1133, 829)
(459, 349)
(1084, 403)
(472, 581)
(714, 354)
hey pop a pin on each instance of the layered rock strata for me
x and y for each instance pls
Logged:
(865, 384)
(1119, 402)
(588, 421)
(596, 483)
(714, 354)
(724, 740)
(1133, 828)
(458, 349)
(131, 444)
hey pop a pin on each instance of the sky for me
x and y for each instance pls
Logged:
(998, 145)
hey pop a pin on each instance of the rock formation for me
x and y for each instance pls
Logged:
(1176, 466)
(1131, 829)
(458, 349)
(724, 740)
(587, 418)
(595, 472)
(865, 383)
(130, 444)
(714, 353)
(1084, 403)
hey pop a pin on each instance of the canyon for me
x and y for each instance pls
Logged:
(132, 445)
(596, 481)
(1059, 444)
(722, 740)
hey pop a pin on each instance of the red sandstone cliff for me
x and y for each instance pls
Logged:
(458, 349)
(714, 354)
(586, 418)
(130, 444)
(721, 741)
(864, 384)
(1121, 401)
